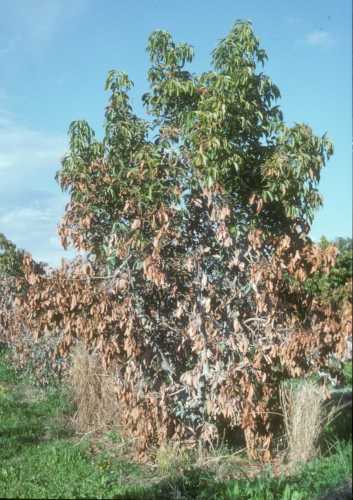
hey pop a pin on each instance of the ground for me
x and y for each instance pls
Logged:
(42, 457)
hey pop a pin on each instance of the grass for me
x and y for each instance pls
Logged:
(347, 373)
(38, 458)
(311, 481)
(41, 457)
(93, 392)
(303, 409)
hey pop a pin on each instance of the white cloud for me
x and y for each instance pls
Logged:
(31, 203)
(319, 39)
(23, 148)
(34, 227)
(22, 216)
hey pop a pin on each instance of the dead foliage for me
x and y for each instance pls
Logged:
(202, 352)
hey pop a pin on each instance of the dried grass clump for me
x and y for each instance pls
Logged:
(304, 418)
(93, 393)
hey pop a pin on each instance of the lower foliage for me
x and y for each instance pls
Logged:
(185, 384)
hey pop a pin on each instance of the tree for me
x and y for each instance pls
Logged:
(12, 280)
(199, 218)
(10, 258)
(335, 286)
(10, 269)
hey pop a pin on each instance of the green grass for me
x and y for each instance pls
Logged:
(37, 457)
(309, 483)
(41, 458)
(347, 373)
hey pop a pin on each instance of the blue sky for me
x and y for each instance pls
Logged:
(55, 54)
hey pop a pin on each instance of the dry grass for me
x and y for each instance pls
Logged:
(305, 415)
(93, 393)
(172, 460)
(223, 463)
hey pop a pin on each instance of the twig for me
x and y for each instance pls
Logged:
(85, 435)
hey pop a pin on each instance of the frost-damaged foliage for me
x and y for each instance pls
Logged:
(195, 225)
(10, 267)
(12, 270)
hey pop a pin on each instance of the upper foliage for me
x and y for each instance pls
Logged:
(222, 127)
